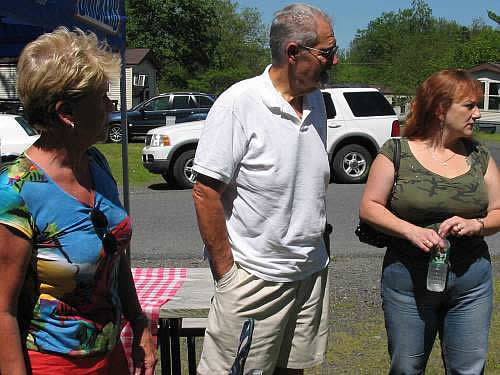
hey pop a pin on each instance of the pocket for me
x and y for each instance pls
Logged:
(226, 279)
(397, 277)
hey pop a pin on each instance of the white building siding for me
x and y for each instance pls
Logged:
(114, 88)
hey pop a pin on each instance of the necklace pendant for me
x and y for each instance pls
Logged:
(445, 164)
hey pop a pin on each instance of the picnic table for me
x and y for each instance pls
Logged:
(167, 296)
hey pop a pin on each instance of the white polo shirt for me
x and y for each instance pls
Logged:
(277, 171)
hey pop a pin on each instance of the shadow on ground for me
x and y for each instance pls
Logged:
(162, 186)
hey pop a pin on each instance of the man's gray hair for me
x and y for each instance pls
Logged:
(296, 22)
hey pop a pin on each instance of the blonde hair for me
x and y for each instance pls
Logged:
(61, 65)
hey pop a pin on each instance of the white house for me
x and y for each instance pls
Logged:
(144, 68)
(489, 76)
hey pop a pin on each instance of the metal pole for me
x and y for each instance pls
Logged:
(123, 111)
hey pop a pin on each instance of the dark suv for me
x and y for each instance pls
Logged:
(152, 113)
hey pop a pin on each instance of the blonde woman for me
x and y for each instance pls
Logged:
(64, 279)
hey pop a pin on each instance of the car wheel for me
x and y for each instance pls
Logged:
(351, 164)
(183, 170)
(115, 133)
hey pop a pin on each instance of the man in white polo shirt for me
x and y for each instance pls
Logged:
(262, 175)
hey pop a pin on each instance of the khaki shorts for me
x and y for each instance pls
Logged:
(291, 323)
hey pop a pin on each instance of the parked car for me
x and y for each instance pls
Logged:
(16, 135)
(359, 121)
(152, 113)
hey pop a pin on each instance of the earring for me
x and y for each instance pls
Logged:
(72, 124)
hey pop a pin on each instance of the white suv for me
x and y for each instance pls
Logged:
(360, 120)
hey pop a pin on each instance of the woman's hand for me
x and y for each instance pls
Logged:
(458, 226)
(425, 239)
(143, 348)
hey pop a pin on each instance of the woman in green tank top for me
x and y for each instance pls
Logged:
(447, 191)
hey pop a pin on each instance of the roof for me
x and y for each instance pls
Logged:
(383, 89)
(135, 56)
(494, 67)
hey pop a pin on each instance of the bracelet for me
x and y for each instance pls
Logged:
(481, 221)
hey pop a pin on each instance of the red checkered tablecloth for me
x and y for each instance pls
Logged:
(154, 286)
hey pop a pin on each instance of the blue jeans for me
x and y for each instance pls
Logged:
(461, 315)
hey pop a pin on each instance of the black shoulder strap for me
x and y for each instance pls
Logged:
(396, 156)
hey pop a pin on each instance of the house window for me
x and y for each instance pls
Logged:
(494, 97)
(491, 90)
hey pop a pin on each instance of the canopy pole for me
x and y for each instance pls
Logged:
(123, 111)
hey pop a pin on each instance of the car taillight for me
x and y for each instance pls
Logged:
(395, 129)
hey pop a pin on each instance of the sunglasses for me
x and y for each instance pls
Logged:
(327, 53)
(100, 223)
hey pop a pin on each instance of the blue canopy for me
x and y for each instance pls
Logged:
(21, 21)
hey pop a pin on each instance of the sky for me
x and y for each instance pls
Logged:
(350, 15)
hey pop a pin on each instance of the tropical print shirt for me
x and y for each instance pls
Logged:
(69, 302)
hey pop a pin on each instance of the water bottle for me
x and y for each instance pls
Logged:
(438, 268)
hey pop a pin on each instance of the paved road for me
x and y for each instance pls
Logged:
(165, 224)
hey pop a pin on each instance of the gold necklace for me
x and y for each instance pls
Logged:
(444, 163)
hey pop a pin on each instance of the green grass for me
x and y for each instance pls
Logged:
(138, 175)
(485, 137)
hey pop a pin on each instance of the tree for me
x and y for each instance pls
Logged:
(392, 43)
(184, 30)
(493, 16)
(400, 49)
(481, 48)
(192, 38)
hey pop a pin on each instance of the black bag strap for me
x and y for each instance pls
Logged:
(396, 157)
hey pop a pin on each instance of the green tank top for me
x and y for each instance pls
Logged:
(426, 199)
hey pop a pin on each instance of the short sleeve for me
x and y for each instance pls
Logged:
(387, 149)
(100, 159)
(13, 210)
(222, 144)
(483, 156)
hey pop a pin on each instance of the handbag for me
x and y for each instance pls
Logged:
(364, 231)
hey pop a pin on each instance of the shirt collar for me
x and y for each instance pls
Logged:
(273, 99)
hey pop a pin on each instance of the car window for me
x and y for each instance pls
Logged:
(330, 107)
(26, 126)
(159, 104)
(204, 101)
(183, 102)
(368, 103)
